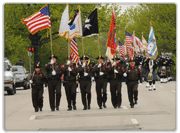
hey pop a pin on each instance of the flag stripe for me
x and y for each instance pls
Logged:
(74, 50)
(39, 20)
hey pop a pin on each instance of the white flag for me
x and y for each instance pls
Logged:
(64, 27)
(152, 46)
(145, 44)
(108, 54)
(75, 29)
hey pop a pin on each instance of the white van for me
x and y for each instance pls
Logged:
(9, 81)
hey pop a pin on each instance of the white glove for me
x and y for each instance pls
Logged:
(85, 74)
(115, 71)
(140, 84)
(92, 78)
(30, 81)
(101, 73)
(53, 72)
(45, 88)
(125, 74)
(99, 65)
(68, 62)
(127, 64)
(52, 62)
(69, 69)
(84, 64)
(114, 64)
(79, 62)
(140, 63)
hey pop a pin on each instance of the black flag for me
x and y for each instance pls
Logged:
(90, 26)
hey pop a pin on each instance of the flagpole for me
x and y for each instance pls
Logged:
(99, 50)
(68, 51)
(133, 41)
(50, 33)
(51, 42)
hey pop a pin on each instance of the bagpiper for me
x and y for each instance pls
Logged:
(151, 65)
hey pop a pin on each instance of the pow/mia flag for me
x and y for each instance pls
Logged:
(90, 26)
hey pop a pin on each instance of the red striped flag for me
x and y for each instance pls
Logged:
(74, 50)
(129, 37)
(129, 45)
(121, 49)
(38, 21)
(130, 52)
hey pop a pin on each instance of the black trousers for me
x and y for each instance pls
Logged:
(132, 92)
(115, 88)
(85, 86)
(70, 88)
(37, 96)
(54, 88)
(101, 85)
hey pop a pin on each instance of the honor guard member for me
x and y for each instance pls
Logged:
(70, 73)
(101, 82)
(138, 60)
(133, 74)
(54, 73)
(151, 65)
(115, 75)
(85, 83)
(37, 80)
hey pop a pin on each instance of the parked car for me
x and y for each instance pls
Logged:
(9, 82)
(21, 77)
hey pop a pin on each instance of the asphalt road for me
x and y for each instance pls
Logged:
(156, 111)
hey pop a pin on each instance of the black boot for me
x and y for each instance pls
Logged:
(69, 109)
(104, 105)
(89, 107)
(57, 108)
(85, 108)
(36, 110)
(40, 109)
(74, 107)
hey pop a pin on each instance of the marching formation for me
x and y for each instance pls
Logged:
(132, 71)
(128, 67)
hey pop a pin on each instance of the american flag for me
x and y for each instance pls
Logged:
(122, 49)
(129, 37)
(38, 21)
(129, 45)
(130, 52)
(74, 50)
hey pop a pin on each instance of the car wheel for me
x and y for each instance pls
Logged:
(14, 87)
(11, 92)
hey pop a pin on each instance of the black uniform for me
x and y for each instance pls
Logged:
(54, 84)
(162, 63)
(70, 85)
(37, 90)
(85, 86)
(115, 84)
(101, 84)
(138, 60)
(133, 75)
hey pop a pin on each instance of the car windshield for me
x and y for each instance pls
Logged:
(6, 67)
(19, 70)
